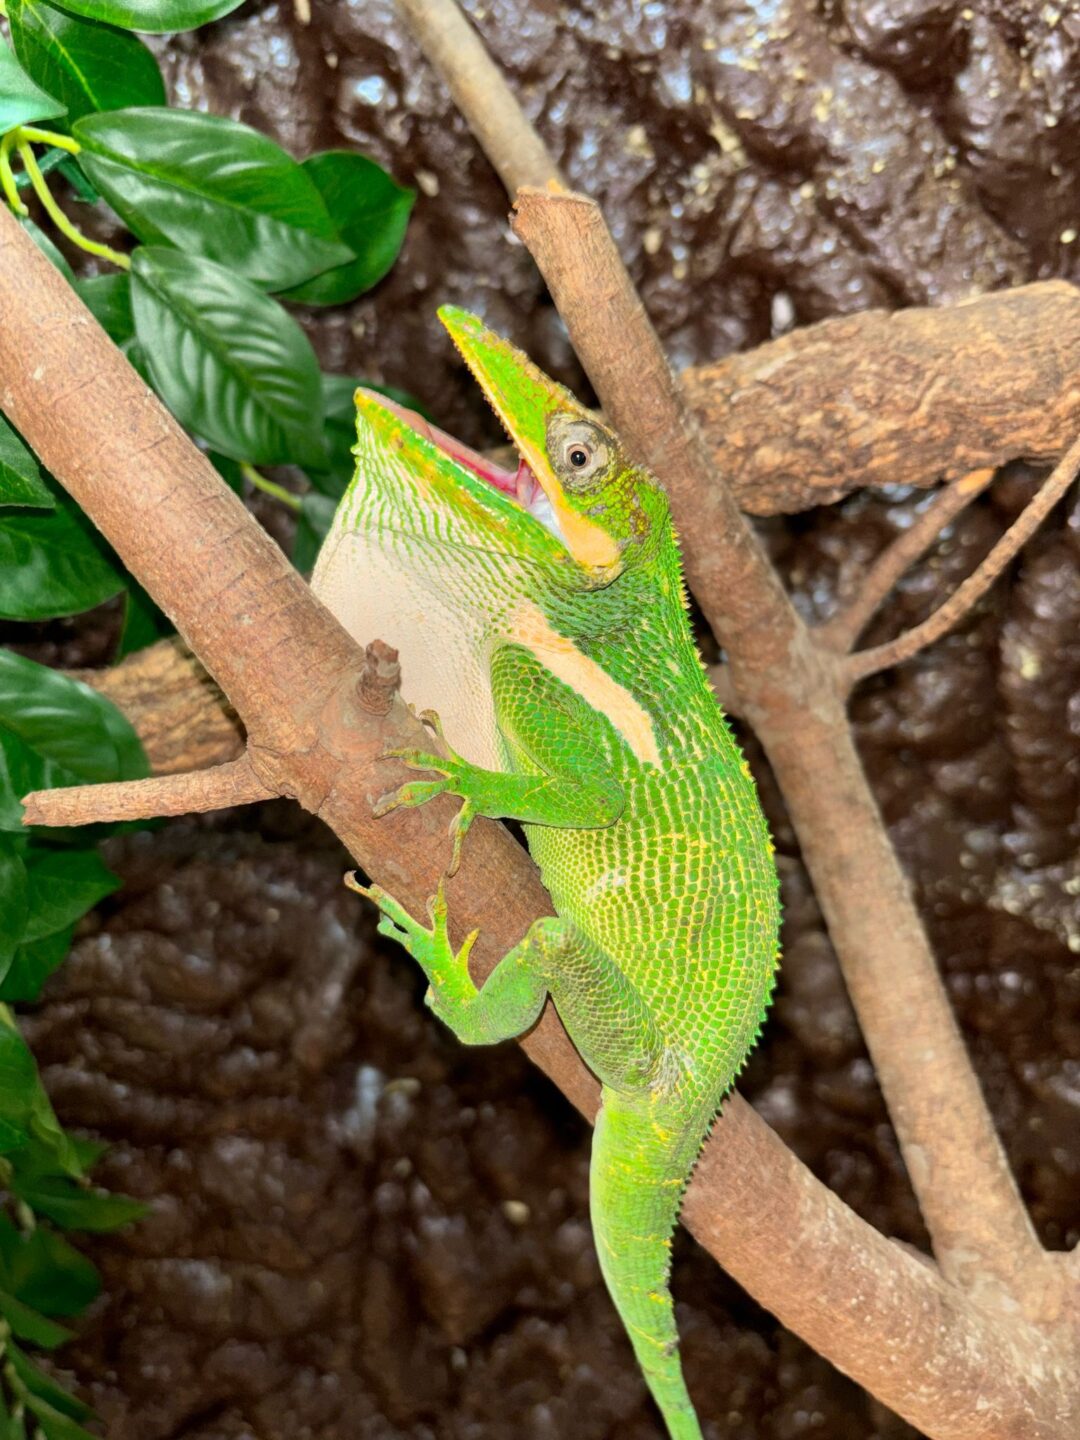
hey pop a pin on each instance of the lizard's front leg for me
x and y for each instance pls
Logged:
(560, 776)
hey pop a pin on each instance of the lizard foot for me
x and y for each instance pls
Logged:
(456, 777)
(431, 949)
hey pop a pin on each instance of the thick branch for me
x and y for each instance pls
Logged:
(912, 397)
(896, 559)
(179, 714)
(869, 662)
(92, 422)
(190, 793)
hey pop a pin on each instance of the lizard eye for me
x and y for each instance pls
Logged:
(579, 450)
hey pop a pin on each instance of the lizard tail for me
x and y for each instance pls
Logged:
(638, 1173)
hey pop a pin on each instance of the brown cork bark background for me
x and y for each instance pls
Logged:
(361, 1229)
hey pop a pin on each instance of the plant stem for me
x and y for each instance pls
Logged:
(49, 137)
(57, 216)
(269, 487)
(7, 178)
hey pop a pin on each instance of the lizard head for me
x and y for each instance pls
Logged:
(598, 505)
(574, 503)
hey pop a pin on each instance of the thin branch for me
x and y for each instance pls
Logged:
(234, 783)
(792, 693)
(231, 591)
(896, 559)
(881, 657)
(479, 90)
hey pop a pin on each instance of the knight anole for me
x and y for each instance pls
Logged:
(542, 616)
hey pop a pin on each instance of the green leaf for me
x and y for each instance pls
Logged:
(370, 211)
(32, 964)
(14, 897)
(20, 474)
(42, 1269)
(227, 360)
(53, 1423)
(87, 66)
(53, 563)
(57, 731)
(21, 101)
(19, 1086)
(72, 1206)
(211, 187)
(10, 1428)
(154, 17)
(108, 298)
(316, 514)
(64, 885)
(47, 248)
(41, 1387)
(28, 1324)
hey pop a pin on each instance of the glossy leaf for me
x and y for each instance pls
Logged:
(72, 1206)
(42, 1387)
(211, 187)
(52, 563)
(227, 360)
(20, 474)
(42, 1269)
(47, 248)
(21, 101)
(57, 731)
(86, 65)
(28, 1324)
(154, 17)
(108, 298)
(14, 897)
(64, 885)
(370, 211)
(32, 964)
(18, 1089)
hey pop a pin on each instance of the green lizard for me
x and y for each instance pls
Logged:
(542, 617)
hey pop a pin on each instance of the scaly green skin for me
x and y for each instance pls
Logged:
(636, 801)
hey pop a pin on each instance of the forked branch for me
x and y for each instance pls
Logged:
(894, 652)
(896, 559)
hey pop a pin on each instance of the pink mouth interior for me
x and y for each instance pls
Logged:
(521, 486)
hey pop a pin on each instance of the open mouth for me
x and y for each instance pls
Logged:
(521, 485)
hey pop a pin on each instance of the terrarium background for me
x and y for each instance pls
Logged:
(359, 1228)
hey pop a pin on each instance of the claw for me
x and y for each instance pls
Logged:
(432, 720)
(369, 892)
(459, 828)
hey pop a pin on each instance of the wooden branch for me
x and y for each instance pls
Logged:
(179, 714)
(789, 691)
(881, 657)
(911, 397)
(229, 589)
(190, 793)
(507, 138)
(895, 560)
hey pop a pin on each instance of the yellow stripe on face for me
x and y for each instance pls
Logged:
(529, 626)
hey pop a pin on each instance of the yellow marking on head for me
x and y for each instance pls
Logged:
(588, 543)
(529, 627)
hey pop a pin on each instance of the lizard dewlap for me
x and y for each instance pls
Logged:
(541, 614)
